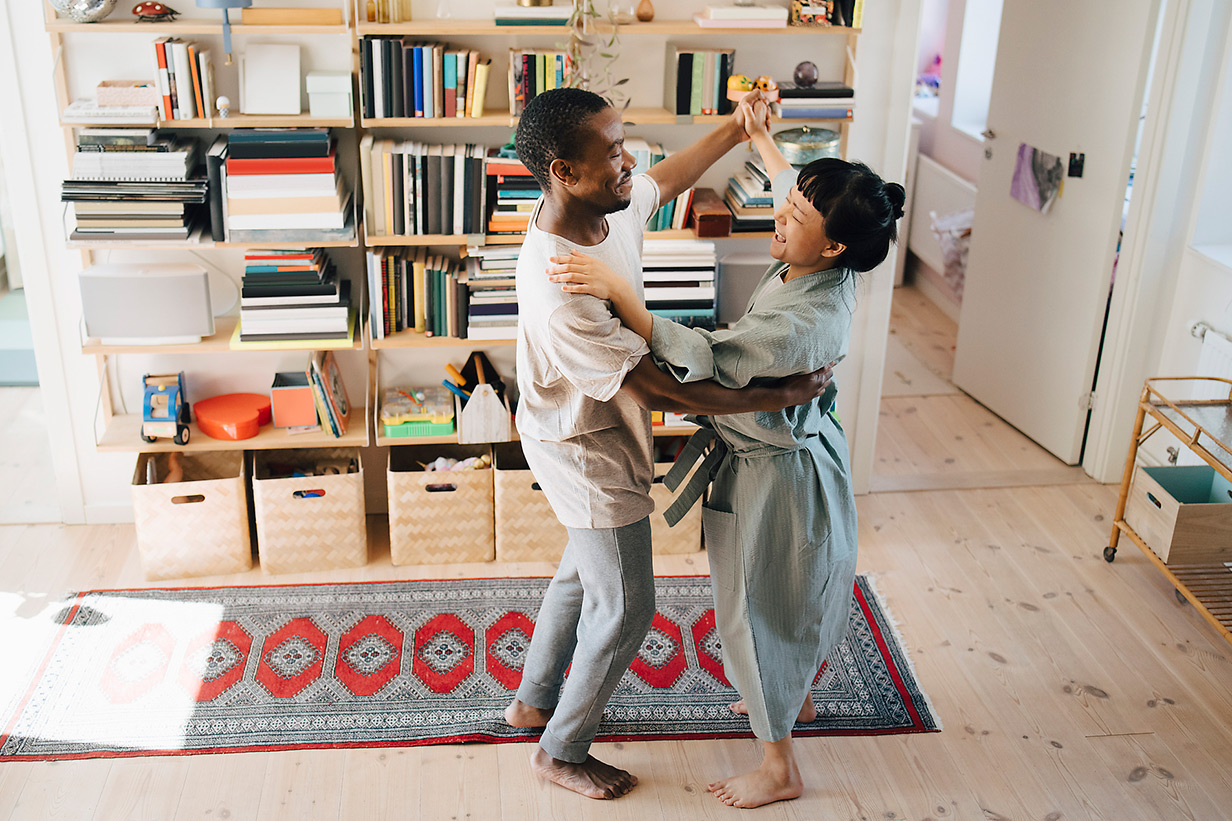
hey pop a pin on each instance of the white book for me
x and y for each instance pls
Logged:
(378, 76)
(531, 12)
(270, 79)
(205, 66)
(678, 276)
(185, 95)
(283, 222)
(260, 185)
(670, 294)
(750, 12)
(460, 153)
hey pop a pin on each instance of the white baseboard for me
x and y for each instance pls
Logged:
(932, 285)
(109, 514)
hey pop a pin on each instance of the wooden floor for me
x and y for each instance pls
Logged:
(1068, 688)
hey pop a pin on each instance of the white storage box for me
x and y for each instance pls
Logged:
(329, 94)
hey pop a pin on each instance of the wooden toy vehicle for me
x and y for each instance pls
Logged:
(165, 411)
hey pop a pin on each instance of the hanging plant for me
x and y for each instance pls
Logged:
(593, 55)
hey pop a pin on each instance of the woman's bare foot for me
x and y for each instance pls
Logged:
(592, 778)
(808, 713)
(777, 779)
(518, 714)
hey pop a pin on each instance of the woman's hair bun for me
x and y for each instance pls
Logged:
(897, 196)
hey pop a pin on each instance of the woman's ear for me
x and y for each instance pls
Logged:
(833, 249)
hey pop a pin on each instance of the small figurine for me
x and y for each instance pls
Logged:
(645, 11)
(224, 106)
(769, 88)
(737, 86)
(151, 11)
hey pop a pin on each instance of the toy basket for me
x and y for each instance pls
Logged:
(439, 517)
(311, 522)
(195, 527)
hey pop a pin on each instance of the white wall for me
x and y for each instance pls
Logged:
(953, 148)
(886, 55)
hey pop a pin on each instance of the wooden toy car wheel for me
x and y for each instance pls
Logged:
(181, 435)
(145, 438)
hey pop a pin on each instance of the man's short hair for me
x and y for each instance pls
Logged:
(551, 128)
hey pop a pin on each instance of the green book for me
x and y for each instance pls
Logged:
(698, 82)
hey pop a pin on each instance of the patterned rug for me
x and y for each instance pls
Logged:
(237, 669)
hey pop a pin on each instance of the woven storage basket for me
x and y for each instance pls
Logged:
(196, 527)
(306, 532)
(526, 528)
(436, 518)
(686, 536)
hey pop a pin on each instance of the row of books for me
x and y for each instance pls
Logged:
(697, 80)
(514, 192)
(678, 276)
(133, 184)
(412, 290)
(821, 101)
(750, 198)
(328, 392)
(412, 188)
(671, 215)
(277, 185)
(293, 294)
(185, 79)
(408, 79)
(533, 71)
(492, 311)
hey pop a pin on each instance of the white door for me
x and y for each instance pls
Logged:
(1069, 78)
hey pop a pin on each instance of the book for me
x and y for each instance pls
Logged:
(195, 71)
(214, 159)
(708, 23)
(166, 108)
(788, 90)
(206, 67)
(325, 369)
(282, 165)
(185, 97)
(752, 11)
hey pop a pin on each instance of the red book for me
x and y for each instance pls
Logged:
(164, 81)
(282, 165)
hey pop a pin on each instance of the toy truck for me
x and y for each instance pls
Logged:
(165, 409)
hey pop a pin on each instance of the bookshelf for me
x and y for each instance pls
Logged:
(119, 430)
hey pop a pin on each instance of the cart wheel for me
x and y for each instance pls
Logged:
(1180, 597)
(181, 436)
(1109, 554)
(145, 438)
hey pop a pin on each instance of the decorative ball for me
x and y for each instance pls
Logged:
(59, 5)
(89, 11)
(805, 74)
(739, 82)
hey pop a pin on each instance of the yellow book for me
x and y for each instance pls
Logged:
(421, 292)
(857, 15)
(481, 87)
(472, 62)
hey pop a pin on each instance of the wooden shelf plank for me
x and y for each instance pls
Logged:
(504, 120)
(226, 123)
(633, 116)
(508, 239)
(220, 342)
(129, 25)
(411, 339)
(123, 436)
(459, 28)
(452, 439)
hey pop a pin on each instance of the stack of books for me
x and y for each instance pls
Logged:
(697, 80)
(185, 79)
(493, 301)
(293, 295)
(407, 79)
(283, 185)
(515, 191)
(742, 16)
(678, 275)
(133, 184)
(533, 71)
(823, 101)
(509, 15)
(750, 199)
(413, 189)
(413, 290)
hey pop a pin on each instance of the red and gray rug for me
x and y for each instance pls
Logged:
(237, 669)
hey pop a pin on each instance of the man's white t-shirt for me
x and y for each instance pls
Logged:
(588, 444)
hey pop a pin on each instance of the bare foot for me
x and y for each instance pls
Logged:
(765, 785)
(808, 713)
(592, 778)
(518, 714)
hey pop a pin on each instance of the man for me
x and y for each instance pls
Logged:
(585, 384)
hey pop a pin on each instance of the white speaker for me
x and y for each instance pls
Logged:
(146, 303)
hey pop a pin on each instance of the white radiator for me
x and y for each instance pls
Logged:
(1214, 360)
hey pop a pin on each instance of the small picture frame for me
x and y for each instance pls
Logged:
(811, 12)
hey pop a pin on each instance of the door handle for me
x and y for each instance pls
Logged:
(988, 134)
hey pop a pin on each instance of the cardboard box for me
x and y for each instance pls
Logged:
(292, 401)
(1184, 514)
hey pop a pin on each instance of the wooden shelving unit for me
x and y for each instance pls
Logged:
(660, 28)
(120, 25)
(226, 123)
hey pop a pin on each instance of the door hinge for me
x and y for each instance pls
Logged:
(1087, 402)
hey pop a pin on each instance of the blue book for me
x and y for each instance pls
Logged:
(560, 71)
(450, 82)
(417, 67)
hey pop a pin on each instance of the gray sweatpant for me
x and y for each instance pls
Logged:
(595, 615)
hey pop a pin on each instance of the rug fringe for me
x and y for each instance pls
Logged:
(897, 633)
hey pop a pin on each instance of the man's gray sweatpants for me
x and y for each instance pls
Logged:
(595, 616)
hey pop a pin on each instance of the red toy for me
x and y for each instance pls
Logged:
(233, 415)
(152, 11)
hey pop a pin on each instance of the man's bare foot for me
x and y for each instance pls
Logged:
(592, 778)
(808, 713)
(518, 714)
(768, 783)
